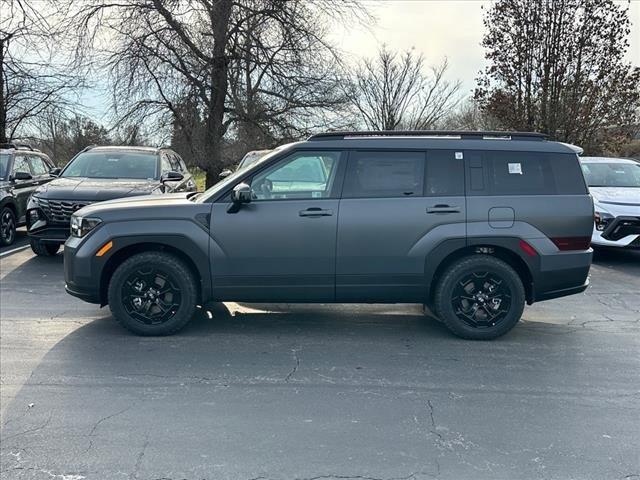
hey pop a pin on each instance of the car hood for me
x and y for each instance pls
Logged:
(94, 189)
(143, 203)
(618, 200)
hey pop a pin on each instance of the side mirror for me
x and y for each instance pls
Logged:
(225, 173)
(240, 194)
(54, 172)
(22, 176)
(171, 177)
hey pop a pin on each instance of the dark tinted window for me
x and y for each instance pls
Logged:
(385, 174)
(444, 174)
(525, 173)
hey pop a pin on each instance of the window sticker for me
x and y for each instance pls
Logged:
(515, 168)
(459, 156)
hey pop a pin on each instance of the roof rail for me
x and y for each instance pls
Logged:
(465, 135)
(17, 146)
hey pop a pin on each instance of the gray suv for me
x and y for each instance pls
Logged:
(471, 224)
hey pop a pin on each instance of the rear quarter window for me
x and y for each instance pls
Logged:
(525, 173)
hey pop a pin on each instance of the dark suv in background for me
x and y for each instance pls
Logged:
(472, 224)
(22, 170)
(97, 174)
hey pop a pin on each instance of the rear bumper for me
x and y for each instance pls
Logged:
(562, 274)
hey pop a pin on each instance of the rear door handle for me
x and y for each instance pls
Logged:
(442, 208)
(315, 212)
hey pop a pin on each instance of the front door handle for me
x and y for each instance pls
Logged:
(315, 212)
(442, 208)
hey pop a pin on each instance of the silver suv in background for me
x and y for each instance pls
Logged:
(472, 224)
(614, 184)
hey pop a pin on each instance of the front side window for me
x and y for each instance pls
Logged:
(384, 174)
(302, 175)
(38, 166)
(116, 164)
(612, 174)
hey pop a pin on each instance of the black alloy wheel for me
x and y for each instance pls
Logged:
(7, 227)
(479, 297)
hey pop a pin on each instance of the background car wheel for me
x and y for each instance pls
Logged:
(44, 249)
(153, 293)
(7, 227)
(480, 297)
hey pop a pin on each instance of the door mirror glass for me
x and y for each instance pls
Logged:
(22, 176)
(54, 172)
(171, 176)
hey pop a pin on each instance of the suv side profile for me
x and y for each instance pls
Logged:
(22, 170)
(471, 224)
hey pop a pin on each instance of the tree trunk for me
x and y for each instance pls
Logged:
(3, 103)
(215, 115)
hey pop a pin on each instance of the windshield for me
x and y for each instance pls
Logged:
(252, 157)
(4, 164)
(231, 179)
(612, 174)
(114, 164)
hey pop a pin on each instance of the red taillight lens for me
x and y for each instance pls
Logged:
(572, 243)
(528, 249)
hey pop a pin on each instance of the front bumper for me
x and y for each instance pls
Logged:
(82, 270)
(622, 231)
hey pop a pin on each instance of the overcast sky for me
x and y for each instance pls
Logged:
(436, 28)
(441, 28)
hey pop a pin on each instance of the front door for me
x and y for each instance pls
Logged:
(281, 246)
(396, 206)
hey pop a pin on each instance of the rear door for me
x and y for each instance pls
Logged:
(396, 206)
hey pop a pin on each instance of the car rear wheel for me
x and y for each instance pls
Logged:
(480, 297)
(7, 227)
(153, 293)
(44, 249)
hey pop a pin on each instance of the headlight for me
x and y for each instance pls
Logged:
(602, 219)
(80, 226)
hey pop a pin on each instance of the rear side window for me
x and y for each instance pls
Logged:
(525, 173)
(444, 175)
(384, 174)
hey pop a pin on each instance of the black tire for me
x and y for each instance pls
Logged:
(7, 227)
(44, 249)
(480, 297)
(162, 278)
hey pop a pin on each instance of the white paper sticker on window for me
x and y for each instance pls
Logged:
(459, 156)
(515, 168)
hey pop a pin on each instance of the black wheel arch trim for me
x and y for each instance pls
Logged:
(507, 249)
(181, 246)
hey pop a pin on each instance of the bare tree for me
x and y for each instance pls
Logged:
(240, 64)
(558, 67)
(396, 91)
(34, 73)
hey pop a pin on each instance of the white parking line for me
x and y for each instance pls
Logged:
(9, 252)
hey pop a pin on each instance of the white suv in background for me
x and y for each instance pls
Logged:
(614, 184)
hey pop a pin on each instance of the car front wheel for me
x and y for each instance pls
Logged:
(7, 227)
(480, 297)
(43, 249)
(153, 293)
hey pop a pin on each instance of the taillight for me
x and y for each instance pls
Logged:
(572, 243)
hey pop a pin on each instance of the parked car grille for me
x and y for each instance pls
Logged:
(60, 211)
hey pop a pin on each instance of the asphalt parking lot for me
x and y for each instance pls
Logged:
(310, 392)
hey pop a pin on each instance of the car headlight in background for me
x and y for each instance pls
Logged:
(602, 219)
(80, 226)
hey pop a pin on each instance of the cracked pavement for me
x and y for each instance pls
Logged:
(285, 392)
